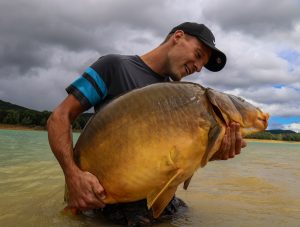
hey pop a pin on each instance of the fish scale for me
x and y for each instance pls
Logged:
(146, 142)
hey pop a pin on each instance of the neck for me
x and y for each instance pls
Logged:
(157, 59)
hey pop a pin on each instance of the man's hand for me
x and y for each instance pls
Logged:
(85, 191)
(232, 143)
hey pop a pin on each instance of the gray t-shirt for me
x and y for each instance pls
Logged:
(111, 76)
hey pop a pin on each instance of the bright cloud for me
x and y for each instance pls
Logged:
(44, 45)
(294, 127)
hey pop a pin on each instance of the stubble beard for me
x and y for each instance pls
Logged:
(173, 71)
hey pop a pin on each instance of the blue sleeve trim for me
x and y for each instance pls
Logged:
(87, 89)
(85, 103)
(98, 80)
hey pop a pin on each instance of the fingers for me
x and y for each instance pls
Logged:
(239, 142)
(244, 143)
(237, 145)
(99, 193)
(222, 153)
(87, 203)
(96, 193)
(85, 192)
(226, 145)
(232, 143)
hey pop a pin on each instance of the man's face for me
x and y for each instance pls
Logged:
(187, 56)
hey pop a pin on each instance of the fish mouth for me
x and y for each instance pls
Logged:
(263, 118)
(260, 124)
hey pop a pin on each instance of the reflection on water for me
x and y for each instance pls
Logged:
(258, 188)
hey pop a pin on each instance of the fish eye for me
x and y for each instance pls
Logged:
(241, 99)
(259, 109)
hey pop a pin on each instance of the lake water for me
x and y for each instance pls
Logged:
(260, 187)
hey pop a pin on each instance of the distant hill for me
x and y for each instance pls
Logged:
(279, 131)
(9, 106)
(276, 134)
(19, 115)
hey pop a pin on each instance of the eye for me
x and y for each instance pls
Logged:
(198, 54)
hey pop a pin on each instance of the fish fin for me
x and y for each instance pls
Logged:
(215, 136)
(162, 201)
(223, 106)
(66, 195)
(70, 211)
(159, 199)
(187, 182)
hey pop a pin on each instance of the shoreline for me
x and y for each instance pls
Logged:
(25, 128)
(39, 128)
(271, 141)
(21, 127)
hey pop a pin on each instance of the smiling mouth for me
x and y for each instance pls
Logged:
(188, 72)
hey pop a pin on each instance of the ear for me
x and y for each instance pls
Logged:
(178, 35)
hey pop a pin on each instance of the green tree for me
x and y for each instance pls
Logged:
(12, 117)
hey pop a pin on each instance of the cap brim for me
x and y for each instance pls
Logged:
(217, 59)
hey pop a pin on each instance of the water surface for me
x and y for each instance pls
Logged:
(260, 187)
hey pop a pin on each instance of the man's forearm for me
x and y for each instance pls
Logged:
(85, 190)
(61, 143)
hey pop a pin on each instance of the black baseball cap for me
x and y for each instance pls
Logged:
(218, 59)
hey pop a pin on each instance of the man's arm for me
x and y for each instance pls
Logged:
(85, 191)
(232, 143)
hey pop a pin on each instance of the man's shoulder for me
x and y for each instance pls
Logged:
(111, 62)
(116, 58)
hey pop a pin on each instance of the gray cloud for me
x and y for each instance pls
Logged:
(255, 17)
(29, 29)
(45, 45)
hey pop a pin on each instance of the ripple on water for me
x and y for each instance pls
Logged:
(260, 187)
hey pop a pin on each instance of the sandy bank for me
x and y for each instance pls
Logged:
(20, 127)
(25, 128)
(271, 141)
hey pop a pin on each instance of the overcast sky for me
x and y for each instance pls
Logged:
(46, 44)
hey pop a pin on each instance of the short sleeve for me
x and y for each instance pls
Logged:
(90, 88)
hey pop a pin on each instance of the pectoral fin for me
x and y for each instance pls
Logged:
(159, 199)
(66, 195)
(162, 201)
(187, 182)
(215, 136)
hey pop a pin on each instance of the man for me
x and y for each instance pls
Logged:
(187, 48)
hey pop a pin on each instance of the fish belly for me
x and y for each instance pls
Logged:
(147, 141)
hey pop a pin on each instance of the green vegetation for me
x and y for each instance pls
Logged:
(18, 115)
(286, 135)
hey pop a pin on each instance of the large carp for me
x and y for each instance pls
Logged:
(144, 143)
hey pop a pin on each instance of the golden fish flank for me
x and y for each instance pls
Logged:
(145, 143)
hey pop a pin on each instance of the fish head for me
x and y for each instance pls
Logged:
(231, 108)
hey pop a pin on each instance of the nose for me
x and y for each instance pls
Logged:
(198, 66)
